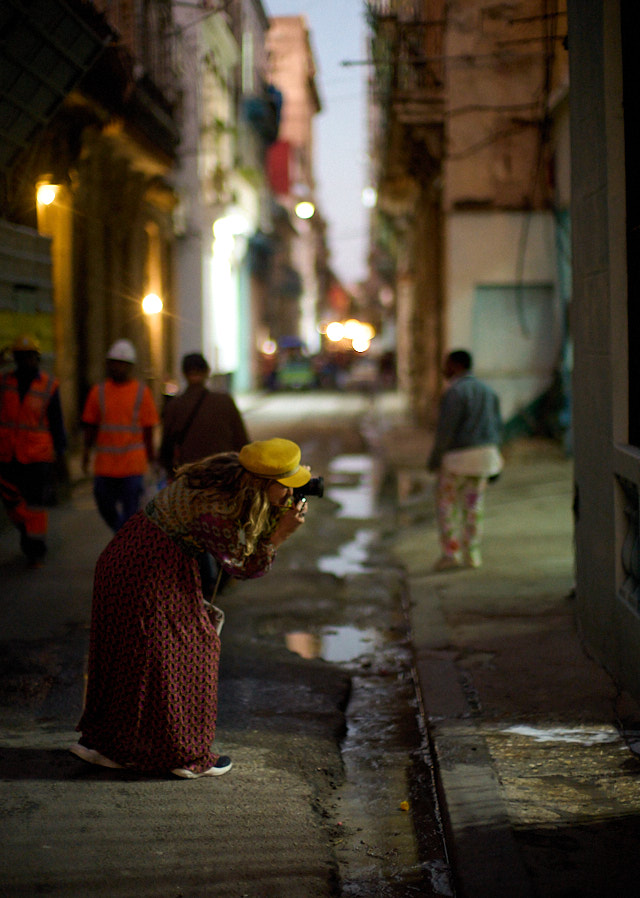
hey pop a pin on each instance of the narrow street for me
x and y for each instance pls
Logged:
(318, 710)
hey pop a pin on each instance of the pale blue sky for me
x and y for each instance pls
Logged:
(338, 31)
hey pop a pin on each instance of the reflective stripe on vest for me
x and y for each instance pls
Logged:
(24, 426)
(108, 428)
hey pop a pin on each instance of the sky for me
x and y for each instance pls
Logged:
(338, 33)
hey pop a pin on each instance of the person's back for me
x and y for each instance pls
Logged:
(465, 453)
(478, 413)
(197, 424)
(200, 422)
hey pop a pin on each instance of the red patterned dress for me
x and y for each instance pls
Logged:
(152, 691)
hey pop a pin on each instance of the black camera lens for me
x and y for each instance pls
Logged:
(315, 487)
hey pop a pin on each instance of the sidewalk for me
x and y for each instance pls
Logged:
(540, 790)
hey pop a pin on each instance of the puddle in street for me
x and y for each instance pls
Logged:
(352, 486)
(351, 557)
(335, 644)
(581, 735)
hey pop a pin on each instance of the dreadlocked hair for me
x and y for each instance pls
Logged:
(243, 494)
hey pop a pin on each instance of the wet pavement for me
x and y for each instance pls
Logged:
(318, 709)
(363, 627)
(370, 705)
(537, 768)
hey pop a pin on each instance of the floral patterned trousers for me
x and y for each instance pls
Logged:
(459, 508)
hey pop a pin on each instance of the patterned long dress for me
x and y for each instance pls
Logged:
(152, 689)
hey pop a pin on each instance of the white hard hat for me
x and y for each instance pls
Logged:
(122, 351)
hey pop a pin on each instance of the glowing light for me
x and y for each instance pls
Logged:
(152, 304)
(269, 347)
(305, 209)
(369, 197)
(46, 194)
(335, 331)
(352, 329)
(235, 224)
(222, 312)
(367, 330)
(360, 344)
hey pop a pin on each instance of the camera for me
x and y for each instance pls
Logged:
(315, 487)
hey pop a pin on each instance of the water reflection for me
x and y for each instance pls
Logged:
(335, 644)
(582, 735)
(351, 558)
(304, 644)
(352, 486)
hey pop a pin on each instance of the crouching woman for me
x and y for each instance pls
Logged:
(152, 691)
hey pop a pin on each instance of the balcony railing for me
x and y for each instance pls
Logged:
(405, 10)
(407, 52)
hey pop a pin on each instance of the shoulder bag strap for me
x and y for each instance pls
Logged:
(181, 436)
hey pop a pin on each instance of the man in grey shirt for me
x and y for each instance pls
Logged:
(465, 454)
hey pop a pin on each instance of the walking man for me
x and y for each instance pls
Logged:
(32, 439)
(200, 421)
(464, 455)
(118, 419)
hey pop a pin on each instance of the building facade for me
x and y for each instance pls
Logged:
(228, 120)
(103, 148)
(471, 162)
(297, 285)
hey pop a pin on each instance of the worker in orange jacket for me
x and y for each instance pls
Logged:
(32, 439)
(118, 418)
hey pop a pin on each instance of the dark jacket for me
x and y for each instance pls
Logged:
(469, 416)
(216, 426)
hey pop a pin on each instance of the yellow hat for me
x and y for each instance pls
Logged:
(25, 343)
(277, 459)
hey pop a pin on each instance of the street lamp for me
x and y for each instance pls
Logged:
(305, 209)
(46, 193)
(369, 197)
(335, 331)
(359, 333)
(152, 304)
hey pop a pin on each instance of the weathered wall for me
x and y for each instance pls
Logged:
(600, 329)
(482, 252)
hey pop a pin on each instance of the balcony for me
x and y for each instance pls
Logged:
(408, 91)
(407, 55)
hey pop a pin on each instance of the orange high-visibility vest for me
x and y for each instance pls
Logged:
(120, 411)
(24, 427)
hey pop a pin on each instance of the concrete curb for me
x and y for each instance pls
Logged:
(535, 779)
(475, 818)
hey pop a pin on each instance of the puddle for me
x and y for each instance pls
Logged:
(356, 497)
(335, 644)
(582, 735)
(351, 557)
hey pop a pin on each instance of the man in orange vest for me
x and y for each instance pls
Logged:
(32, 438)
(118, 419)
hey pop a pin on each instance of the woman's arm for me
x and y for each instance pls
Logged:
(288, 523)
(225, 539)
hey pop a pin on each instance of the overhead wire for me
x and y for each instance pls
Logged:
(543, 139)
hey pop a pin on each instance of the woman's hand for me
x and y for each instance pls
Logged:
(289, 522)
